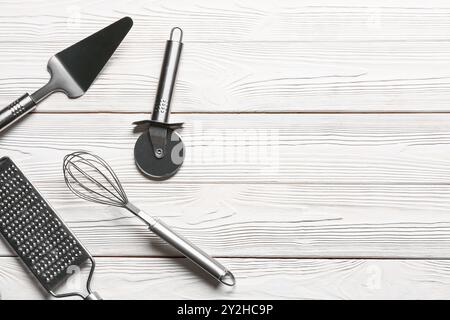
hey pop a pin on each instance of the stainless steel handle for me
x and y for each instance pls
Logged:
(16, 110)
(161, 109)
(188, 249)
(194, 253)
(93, 296)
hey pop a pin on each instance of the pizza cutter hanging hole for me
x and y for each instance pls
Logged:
(179, 32)
(159, 151)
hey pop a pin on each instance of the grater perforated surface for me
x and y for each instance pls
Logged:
(35, 232)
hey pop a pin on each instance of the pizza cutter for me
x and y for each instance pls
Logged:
(159, 151)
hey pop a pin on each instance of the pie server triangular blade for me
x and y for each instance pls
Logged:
(74, 69)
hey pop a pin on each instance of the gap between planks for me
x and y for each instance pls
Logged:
(381, 258)
(306, 112)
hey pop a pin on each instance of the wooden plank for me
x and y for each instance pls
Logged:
(336, 149)
(243, 57)
(240, 20)
(236, 77)
(268, 220)
(347, 186)
(257, 278)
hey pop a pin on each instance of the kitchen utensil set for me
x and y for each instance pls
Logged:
(28, 223)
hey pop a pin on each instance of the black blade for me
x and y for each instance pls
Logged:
(85, 59)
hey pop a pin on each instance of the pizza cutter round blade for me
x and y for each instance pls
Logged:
(159, 163)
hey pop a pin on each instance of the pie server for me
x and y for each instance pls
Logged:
(72, 70)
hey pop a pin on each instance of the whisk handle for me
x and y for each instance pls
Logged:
(191, 251)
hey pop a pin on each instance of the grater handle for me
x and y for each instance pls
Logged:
(93, 296)
(191, 251)
(16, 110)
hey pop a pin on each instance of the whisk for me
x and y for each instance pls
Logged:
(89, 177)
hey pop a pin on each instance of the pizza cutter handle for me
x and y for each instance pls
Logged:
(167, 78)
(16, 110)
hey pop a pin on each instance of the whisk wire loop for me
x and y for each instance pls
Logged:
(90, 178)
(84, 176)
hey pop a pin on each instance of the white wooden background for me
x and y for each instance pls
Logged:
(340, 188)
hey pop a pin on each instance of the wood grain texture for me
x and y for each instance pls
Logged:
(283, 56)
(238, 20)
(346, 185)
(269, 220)
(256, 278)
(288, 201)
(307, 149)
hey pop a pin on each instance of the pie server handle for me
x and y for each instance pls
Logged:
(16, 110)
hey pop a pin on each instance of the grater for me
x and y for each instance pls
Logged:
(38, 235)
